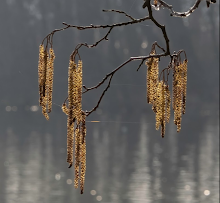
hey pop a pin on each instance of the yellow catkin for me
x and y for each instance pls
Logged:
(77, 156)
(168, 101)
(178, 97)
(50, 72)
(43, 96)
(158, 104)
(83, 154)
(79, 92)
(184, 85)
(152, 79)
(149, 64)
(44, 108)
(40, 71)
(163, 110)
(70, 118)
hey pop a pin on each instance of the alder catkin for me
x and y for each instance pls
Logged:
(178, 96)
(77, 156)
(50, 71)
(83, 154)
(184, 86)
(70, 118)
(168, 102)
(158, 104)
(152, 79)
(40, 72)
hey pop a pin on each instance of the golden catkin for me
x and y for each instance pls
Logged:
(44, 108)
(50, 72)
(70, 118)
(177, 104)
(168, 101)
(158, 104)
(40, 71)
(79, 92)
(163, 109)
(44, 88)
(152, 80)
(77, 156)
(83, 154)
(184, 67)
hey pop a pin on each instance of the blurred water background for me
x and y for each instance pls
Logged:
(127, 160)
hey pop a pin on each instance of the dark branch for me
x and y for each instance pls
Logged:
(178, 14)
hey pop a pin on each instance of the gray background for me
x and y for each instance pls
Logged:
(127, 160)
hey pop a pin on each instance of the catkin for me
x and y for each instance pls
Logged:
(70, 118)
(177, 104)
(50, 72)
(83, 154)
(158, 104)
(77, 156)
(79, 92)
(168, 101)
(40, 72)
(152, 79)
(184, 86)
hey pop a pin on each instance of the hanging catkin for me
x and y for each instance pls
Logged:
(71, 116)
(152, 79)
(184, 85)
(49, 85)
(83, 154)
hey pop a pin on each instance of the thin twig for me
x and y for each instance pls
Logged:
(118, 11)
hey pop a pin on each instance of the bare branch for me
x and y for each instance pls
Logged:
(178, 14)
(118, 11)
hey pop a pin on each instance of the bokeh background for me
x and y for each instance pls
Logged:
(127, 160)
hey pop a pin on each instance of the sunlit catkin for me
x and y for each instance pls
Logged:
(158, 104)
(163, 109)
(78, 104)
(40, 72)
(177, 94)
(184, 68)
(70, 118)
(83, 154)
(152, 80)
(168, 101)
(49, 80)
(77, 155)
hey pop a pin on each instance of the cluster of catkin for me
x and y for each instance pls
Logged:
(76, 123)
(45, 79)
(158, 93)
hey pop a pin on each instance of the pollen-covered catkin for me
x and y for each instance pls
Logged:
(158, 104)
(168, 101)
(70, 118)
(83, 154)
(40, 72)
(184, 67)
(77, 156)
(152, 79)
(78, 105)
(177, 105)
(50, 72)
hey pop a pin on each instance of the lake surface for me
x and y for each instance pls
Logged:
(126, 162)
